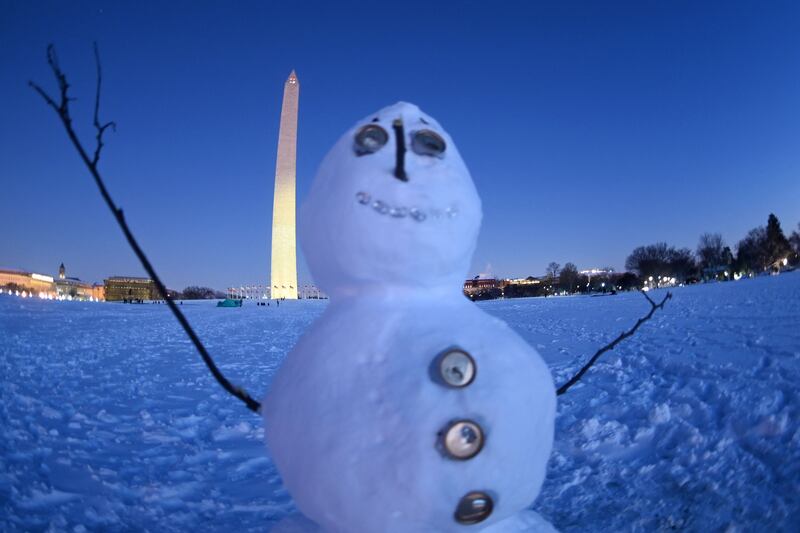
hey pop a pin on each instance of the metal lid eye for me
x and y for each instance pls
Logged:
(370, 139)
(473, 508)
(455, 368)
(427, 142)
(462, 440)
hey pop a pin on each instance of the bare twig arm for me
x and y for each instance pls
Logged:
(653, 307)
(100, 128)
(62, 109)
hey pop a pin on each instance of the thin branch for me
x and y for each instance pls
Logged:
(100, 128)
(44, 95)
(62, 109)
(653, 307)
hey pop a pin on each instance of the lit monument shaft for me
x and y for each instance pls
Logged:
(283, 274)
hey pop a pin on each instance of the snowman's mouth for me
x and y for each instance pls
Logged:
(401, 211)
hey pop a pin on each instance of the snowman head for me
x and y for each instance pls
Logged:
(392, 205)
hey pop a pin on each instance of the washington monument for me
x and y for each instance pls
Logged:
(283, 274)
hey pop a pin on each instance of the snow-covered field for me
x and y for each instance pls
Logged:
(109, 420)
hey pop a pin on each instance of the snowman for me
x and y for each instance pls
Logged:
(405, 407)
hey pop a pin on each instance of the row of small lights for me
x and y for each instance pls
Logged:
(736, 276)
(44, 296)
(661, 279)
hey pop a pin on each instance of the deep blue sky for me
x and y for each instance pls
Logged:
(589, 128)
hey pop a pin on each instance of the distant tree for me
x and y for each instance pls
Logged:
(487, 294)
(751, 252)
(583, 283)
(568, 279)
(650, 260)
(198, 293)
(523, 291)
(728, 256)
(794, 241)
(711, 251)
(659, 259)
(681, 264)
(777, 245)
(628, 281)
(552, 270)
(605, 280)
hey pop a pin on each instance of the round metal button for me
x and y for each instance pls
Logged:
(427, 142)
(370, 139)
(473, 508)
(456, 368)
(462, 439)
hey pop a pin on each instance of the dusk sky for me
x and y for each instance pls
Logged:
(589, 128)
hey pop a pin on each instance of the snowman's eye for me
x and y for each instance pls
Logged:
(370, 139)
(427, 142)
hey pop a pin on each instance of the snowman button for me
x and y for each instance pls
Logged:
(455, 367)
(462, 439)
(473, 508)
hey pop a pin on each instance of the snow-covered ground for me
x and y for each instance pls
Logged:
(109, 420)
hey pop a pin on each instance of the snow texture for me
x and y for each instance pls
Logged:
(353, 415)
(110, 421)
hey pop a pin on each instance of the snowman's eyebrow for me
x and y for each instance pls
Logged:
(423, 120)
(375, 119)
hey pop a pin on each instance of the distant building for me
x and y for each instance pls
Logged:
(72, 288)
(525, 287)
(119, 288)
(36, 284)
(597, 272)
(99, 292)
(474, 286)
(43, 286)
(530, 280)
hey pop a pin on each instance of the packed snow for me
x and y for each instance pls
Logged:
(109, 420)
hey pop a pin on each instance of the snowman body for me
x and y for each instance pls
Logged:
(405, 407)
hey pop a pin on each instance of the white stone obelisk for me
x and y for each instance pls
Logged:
(283, 274)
